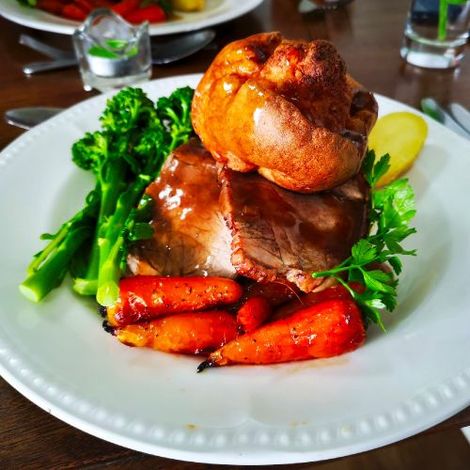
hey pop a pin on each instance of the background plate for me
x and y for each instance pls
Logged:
(398, 384)
(216, 11)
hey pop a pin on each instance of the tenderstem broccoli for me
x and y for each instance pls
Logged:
(125, 156)
(174, 128)
(109, 155)
(49, 267)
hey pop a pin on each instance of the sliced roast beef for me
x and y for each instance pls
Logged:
(269, 235)
(283, 236)
(190, 235)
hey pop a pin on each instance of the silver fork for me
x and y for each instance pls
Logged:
(461, 115)
(61, 58)
(433, 109)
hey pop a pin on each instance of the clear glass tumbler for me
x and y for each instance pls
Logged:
(112, 53)
(436, 32)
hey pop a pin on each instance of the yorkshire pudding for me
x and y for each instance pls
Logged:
(285, 108)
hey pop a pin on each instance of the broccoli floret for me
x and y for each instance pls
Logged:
(90, 152)
(127, 111)
(175, 112)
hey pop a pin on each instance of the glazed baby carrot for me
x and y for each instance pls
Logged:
(253, 313)
(327, 329)
(147, 297)
(275, 293)
(186, 333)
(334, 292)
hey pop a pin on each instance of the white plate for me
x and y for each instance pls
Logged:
(398, 384)
(216, 11)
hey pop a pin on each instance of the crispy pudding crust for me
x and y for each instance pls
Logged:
(286, 109)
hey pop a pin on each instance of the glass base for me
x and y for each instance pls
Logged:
(105, 84)
(430, 54)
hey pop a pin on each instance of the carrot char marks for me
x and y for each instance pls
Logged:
(327, 329)
(253, 313)
(335, 292)
(185, 333)
(144, 298)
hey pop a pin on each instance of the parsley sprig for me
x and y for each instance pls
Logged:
(391, 211)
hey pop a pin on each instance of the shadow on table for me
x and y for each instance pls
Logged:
(416, 83)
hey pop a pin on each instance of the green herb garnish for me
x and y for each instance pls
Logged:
(392, 209)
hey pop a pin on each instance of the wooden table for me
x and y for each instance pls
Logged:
(367, 34)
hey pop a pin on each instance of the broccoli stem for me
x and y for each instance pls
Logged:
(51, 246)
(84, 286)
(111, 244)
(110, 273)
(49, 267)
(110, 191)
(53, 270)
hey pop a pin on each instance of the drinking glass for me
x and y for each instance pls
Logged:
(112, 53)
(436, 32)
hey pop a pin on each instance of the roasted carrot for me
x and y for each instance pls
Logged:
(147, 297)
(275, 293)
(186, 333)
(327, 329)
(252, 314)
(334, 292)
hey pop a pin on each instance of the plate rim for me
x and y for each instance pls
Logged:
(228, 457)
(39, 395)
(9, 12)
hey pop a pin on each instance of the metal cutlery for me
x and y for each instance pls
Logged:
(165, 51)
(45, 66)
(458, 119)
(461, 115)
(26, 118)
(46, 49)
(177, 48)
(433, 109)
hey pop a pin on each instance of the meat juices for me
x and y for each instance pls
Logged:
(279, 235)
(269, 235)
(190, 235)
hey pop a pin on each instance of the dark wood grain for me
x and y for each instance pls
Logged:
(368, 35)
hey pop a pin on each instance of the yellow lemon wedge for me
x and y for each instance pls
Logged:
(402, 136)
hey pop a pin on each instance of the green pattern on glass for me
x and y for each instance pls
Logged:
(117, 43)
(98, 51)
(443, 9)
(116, 46)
